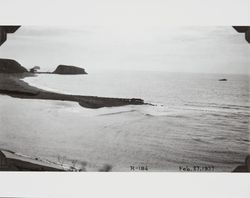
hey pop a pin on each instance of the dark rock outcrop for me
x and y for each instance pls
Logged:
(11, 66)
(67, 69)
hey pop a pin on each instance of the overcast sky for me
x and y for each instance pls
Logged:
(148, 47)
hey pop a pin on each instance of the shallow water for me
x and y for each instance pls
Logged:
(197, 120)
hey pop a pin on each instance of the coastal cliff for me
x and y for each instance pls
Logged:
(11, 66)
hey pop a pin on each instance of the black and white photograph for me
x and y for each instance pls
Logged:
(112, 98)
(124, 98)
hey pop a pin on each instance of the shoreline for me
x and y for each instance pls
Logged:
(12, 85)
(36, 161)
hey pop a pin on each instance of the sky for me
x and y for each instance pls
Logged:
(196, 49)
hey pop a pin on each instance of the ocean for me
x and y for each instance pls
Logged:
(196, 120)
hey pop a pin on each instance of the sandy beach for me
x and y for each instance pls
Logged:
(162, 137)
(13, 86)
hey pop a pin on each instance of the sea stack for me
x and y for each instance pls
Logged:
(70, 70)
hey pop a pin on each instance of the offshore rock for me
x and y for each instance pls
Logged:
(67, 69)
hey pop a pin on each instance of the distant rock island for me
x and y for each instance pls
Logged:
(223, 79)
(11, 73)
(68, 69)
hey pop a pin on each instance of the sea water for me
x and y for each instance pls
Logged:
(196, 120)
